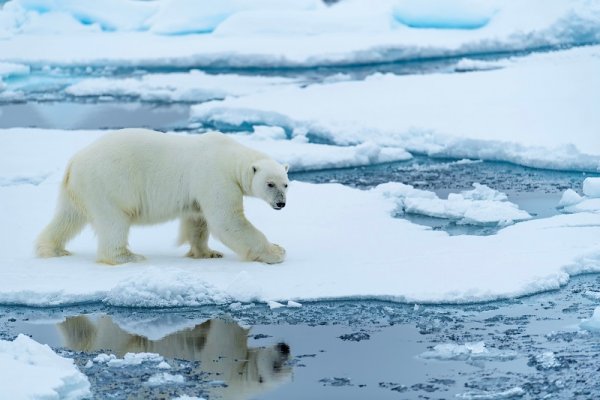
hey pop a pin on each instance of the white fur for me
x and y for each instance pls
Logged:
(138, 176)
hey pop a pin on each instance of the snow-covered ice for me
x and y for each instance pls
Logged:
(547, 360)
(512, 393)
(466, 352)
(242, 33)
(591, 187)
(521, 114)
(11, 69)
(302, 155)
(31, 370)
(572, 202)
(593, 323)
(479, 206)
(190, 86)
(341, 243)
(164, 378)
(128, 359)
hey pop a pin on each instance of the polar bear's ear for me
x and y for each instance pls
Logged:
(286, 167)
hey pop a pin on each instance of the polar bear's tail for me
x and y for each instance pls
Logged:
(67, 222)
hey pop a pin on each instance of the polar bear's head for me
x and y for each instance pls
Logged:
(270, 182)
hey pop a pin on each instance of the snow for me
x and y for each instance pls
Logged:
(593, 323)
(180, 87)
(341, 243)
(479, 206)
(265, 33)
(467, 351)
(31, 370)
(520, 114)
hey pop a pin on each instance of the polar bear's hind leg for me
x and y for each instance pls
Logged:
(194, 230)
(66, 223)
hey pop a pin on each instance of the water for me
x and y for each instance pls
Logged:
(109, 115)
(337, 350)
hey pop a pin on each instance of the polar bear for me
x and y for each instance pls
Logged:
(139, 176)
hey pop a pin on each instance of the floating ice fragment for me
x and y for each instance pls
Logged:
(592, 324)
(467, 351)
(31, 370)
(273, 305)
(104, 358)
(293, 304)
(569, 198)
(163, 365)
(485, 395)
(164, 378)
(591, 187)
(547, 360)
(479, 206)
(571, 202)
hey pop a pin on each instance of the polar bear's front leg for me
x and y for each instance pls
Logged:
(229, 224)
(194, 230)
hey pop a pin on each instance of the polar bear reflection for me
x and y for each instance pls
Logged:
(220, 345)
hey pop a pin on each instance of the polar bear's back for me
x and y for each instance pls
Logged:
(149, 174)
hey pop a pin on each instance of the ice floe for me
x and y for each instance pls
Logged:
(247, 33)
(12, 69)
(31, 370)
(302, 155)
(479, 206)
(490, 115)
(191, 86)
(345, 239)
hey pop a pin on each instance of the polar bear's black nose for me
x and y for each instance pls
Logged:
(280, 205)
(283, 348)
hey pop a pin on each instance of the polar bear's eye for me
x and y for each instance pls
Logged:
(270, 184)
(285, 185)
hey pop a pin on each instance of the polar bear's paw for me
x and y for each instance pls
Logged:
(275, 254)
(122, 258)
(204, 253)
(47, 252)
